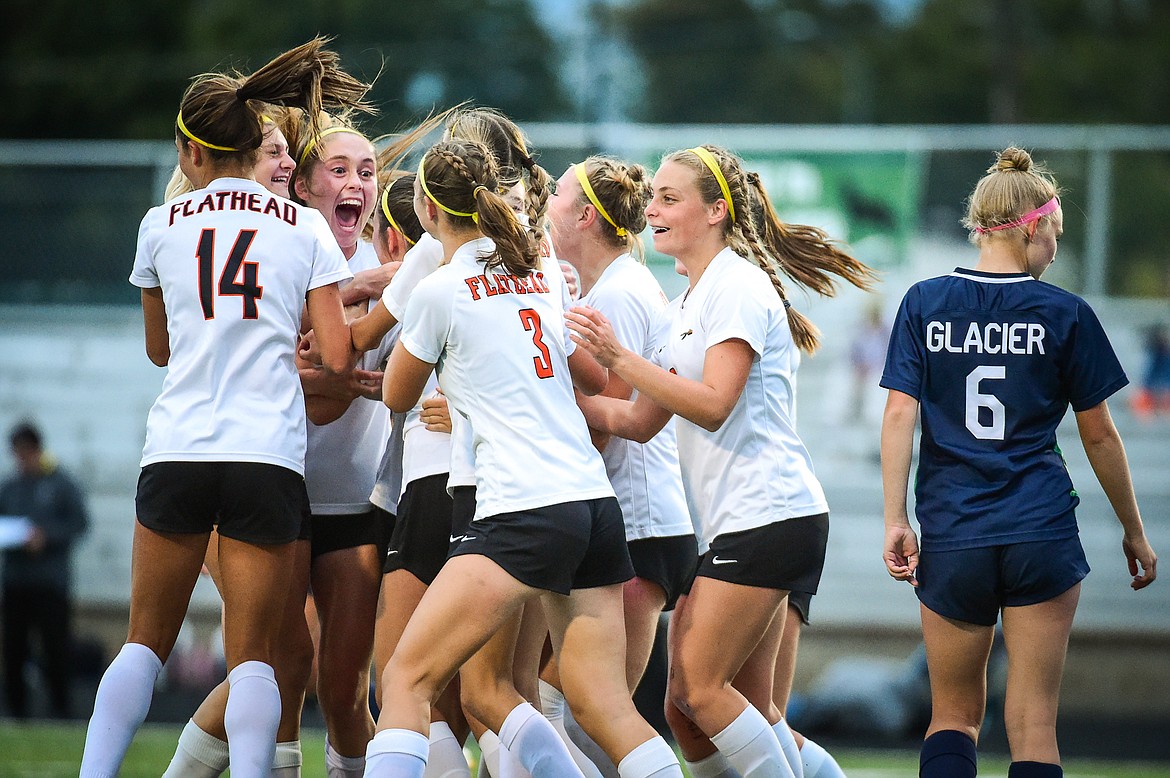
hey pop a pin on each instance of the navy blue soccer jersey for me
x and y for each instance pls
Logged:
(994, 361)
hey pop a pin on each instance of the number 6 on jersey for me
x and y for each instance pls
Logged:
(977, 400)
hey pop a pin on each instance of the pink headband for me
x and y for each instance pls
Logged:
(1030, 216)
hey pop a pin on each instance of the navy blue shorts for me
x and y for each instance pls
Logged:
(669, 561)
(974, 584)
(252, 502)
(558, 548)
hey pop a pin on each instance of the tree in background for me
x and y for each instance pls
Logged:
(115, 68)
(951, 61)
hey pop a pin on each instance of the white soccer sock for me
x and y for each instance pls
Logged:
(552, 705)
(751, 747)
(396, 753)
(446, 758)
(819, 763)
(489, 755)
(714, 766)
(197, 755)
(338, 766)
(652, 759)
(287, 761)
(496, 761)
(120, 707)
(789, 747)
(536, 744)
(251, 718)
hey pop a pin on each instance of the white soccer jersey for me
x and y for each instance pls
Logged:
(341, 464)
(424, 452)
(753, 470)
(462, 466)
(646, 478)
(498, 343)
(234, 262)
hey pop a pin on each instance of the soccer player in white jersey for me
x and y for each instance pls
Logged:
(346, 436)
(728, 371)
(225, 273)
(596, 216)
(993, 357)
(546, 519)
(510, 661)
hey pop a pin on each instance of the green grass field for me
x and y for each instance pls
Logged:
(43, 750)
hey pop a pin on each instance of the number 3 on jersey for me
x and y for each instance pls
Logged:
(977, 400)
(230, 282)
(543, 362)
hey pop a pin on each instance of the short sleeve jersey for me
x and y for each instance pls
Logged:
(235, 263)
(645, 477)
(341, 463)
(754, 470)
(994, 361)
(497, 341)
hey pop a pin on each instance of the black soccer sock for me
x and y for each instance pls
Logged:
(1035, 770)
(947, 754)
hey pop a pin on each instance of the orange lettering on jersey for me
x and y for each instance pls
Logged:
(239, 201)
(254, 202)
(545, 248)
(272, 206)
(491, 289)
(174, 210)
(290, 214)
(538, 282)
(471, 284)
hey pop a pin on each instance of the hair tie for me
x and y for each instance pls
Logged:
(1030, 216)
(200, 141)
(390, 217)
(330, 131)
(709, 160)
(422, 182)
(475, 192)
(583, 178)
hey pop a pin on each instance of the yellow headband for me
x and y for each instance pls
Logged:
(330, 131)
(422, 182)
(389, 218)
(201, 142)
(713, 164)
(583, 177)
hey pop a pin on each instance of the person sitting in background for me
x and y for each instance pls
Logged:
(37, 586)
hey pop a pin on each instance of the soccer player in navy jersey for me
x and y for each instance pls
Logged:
(993, 357)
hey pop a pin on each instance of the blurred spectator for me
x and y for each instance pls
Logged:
(867, 356)
(1154, 393)
(43, 512)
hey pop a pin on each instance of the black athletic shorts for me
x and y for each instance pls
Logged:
(670, 562)
(462, 513)
(422, 532)
(788, 554)
(247, 501)
(802, 602)
(334, 532)
(558, 548)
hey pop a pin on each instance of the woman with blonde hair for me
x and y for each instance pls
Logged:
(992, 358)
(726, 367)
